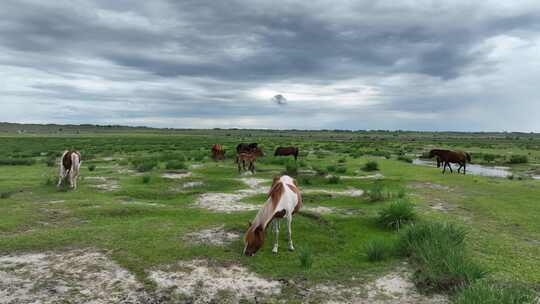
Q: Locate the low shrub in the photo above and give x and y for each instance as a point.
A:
(5, 195)
(438, 251)
(331, 168)
(51, 161)
(405, 158)
(334, 179)
(518, 159)
(291, 169)
(341, 170)
(305, 181)
(175, 165)
(146, 166)
(378, 250)
(485, 292)
(17, 162)
(377, 193)
(146, 179)
(92, 168)
(371, 166)
(397, 214)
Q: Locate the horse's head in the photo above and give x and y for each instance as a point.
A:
(431, 153)
(253, 240)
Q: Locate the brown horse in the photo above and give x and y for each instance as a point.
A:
(449, 156)
(244, 158)
(285, 151)
(218, 153)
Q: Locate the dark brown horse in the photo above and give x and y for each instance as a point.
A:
(285, 151)
(243, 147)
(218, 153)
(448, 156)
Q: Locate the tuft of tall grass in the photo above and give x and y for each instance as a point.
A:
(377, 193)
(438, 250)
(6, 194)
(397, 214)
(17, 162)
(305, 257)
(291, 168)
(485, 292)
(91, 168)
(371, 166)
(379, 249)
(334, 179)
(146, 179)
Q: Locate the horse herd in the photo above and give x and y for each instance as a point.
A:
(284, 198)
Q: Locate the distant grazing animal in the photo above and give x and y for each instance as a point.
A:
(218, 153)
(70, 165)
(284, 200)
(448, 156)
(285, 151)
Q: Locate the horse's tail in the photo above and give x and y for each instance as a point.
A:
(468, 156)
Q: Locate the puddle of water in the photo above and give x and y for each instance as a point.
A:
(495, 171)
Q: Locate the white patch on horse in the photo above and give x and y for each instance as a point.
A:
(216, 236)
(78, 276)
(204, 283)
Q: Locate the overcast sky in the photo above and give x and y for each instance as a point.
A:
(417, 65)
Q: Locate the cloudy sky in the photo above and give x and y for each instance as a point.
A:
(416, 65)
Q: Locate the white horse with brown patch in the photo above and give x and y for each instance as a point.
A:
(70, 165)
(284, 200)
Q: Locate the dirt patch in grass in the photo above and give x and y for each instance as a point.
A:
(216, 236)
(103, 183)
(440, 205)
(77, 276)
(373, 176)
(430, 185)
(192, 184)
(396, 287)
(348, 192)
(231, 202)
(176, 174)
(200, 282)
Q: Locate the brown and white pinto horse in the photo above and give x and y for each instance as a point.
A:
(70, 165)
(284, 200)
(218, 153)
(285, 151)
(448, 156)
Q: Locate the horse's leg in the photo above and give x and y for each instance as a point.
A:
(289, 231)
(62, 175)
(275, 226)
(450, 167)
(238, 163)
(464, 167)
(444, 168)
(460, 166)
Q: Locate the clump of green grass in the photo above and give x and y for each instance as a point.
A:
(484, 292)
(305, 257)
(51, 161)
(371, 166)
(91, 168)
(146, 179)
(341, 169)
(379, 249)
(377, 193)
(334, 179)
(175, 165)
(438, 251)
(331, 168)
(397, 214)
(320, 171)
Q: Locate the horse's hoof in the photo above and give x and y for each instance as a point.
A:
(291, 248)
(274, 251)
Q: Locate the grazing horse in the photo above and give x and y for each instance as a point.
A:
(218, 153)
(249, 157)
(70, 165)
(243, 147)
(285, 151)
(449, 156)
(284, 200)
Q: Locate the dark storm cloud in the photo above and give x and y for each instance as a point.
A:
(225, 59)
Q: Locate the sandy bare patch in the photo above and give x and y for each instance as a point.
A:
(373, 176)
(103, 183)
(176, 175)
(392, 288)
(192, 184)
(216, 236)
(349, 192)
(78, 276)
(442, 206)
(195, 166)
(430, 185)
(319, 209)
(204, 283)
(231, 202)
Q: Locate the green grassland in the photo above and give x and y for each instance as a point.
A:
(501, 216)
